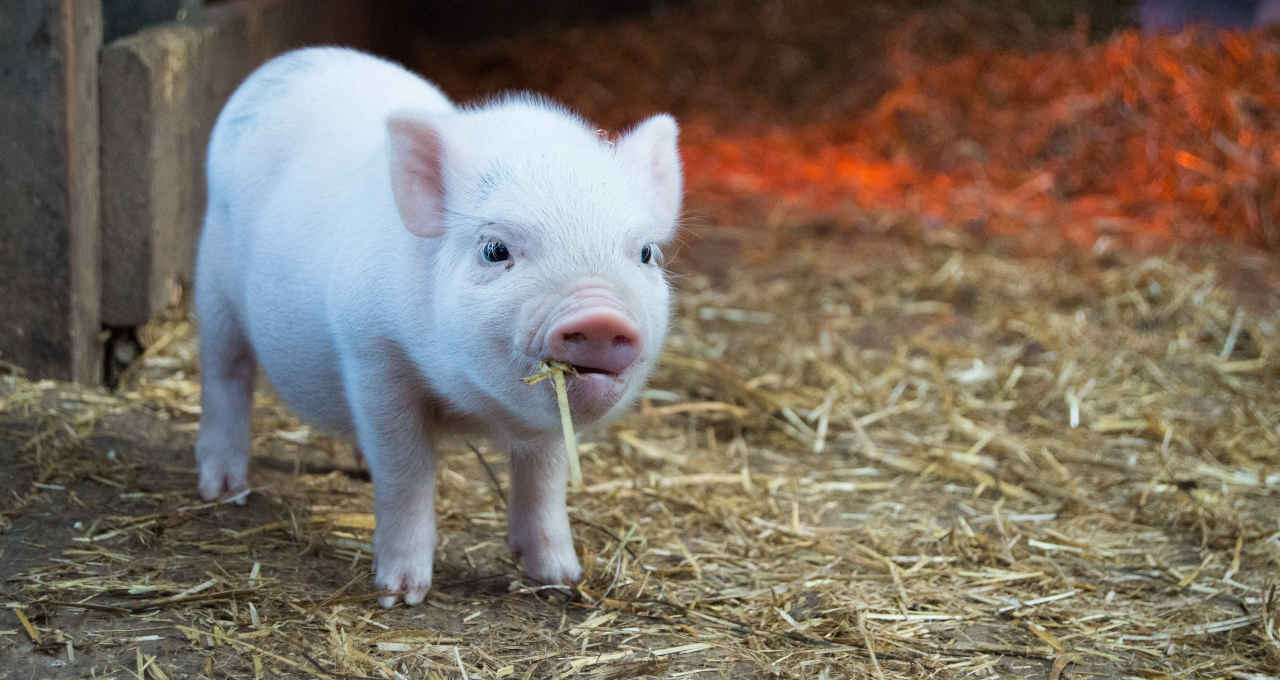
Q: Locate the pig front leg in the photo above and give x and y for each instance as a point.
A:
(392, 433)
(537, 521)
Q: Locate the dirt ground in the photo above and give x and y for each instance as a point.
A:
(955, 521)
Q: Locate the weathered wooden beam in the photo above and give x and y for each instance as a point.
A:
(49, 188)
(162, 89)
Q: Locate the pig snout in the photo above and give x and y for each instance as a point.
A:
(595, 340)
(593, 330)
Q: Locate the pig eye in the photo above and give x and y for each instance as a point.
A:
(496, 251)
(651, 253)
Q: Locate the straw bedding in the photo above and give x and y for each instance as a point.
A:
(878, 458)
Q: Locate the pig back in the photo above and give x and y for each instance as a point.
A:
(324, 107)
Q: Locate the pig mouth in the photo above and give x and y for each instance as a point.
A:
(592, 370)
(593, 392)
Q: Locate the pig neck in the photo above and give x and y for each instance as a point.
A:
(385, 292)
(380, 281)
(384, 301)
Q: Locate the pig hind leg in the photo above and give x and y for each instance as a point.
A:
(227, 368)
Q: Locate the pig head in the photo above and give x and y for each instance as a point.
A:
(547, 245)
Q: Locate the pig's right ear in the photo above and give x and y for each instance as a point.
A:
(416, 151)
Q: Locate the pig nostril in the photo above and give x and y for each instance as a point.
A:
(622, 340)
(575, 337)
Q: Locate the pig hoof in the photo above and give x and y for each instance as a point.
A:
(412, 597)
(552, 567)
(217, 476)
(407, 578)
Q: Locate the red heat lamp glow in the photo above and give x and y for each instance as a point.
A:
(1145, 139)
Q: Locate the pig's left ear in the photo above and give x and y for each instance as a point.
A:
(416, 151)
(650, 150)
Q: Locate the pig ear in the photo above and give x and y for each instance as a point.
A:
(416, 151)
(650, 149)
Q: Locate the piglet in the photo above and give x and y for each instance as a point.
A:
(397, 264)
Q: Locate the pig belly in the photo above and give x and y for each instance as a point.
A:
(289, 331)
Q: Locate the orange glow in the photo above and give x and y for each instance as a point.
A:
(1142, 139)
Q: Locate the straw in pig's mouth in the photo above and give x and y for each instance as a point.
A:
(556, 370)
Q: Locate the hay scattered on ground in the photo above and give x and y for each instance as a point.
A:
(888, 460)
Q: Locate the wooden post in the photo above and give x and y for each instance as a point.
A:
(162, 90)
(49, 224)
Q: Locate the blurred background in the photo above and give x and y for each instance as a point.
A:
(1142, 121)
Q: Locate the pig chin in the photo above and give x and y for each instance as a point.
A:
(593, 395)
